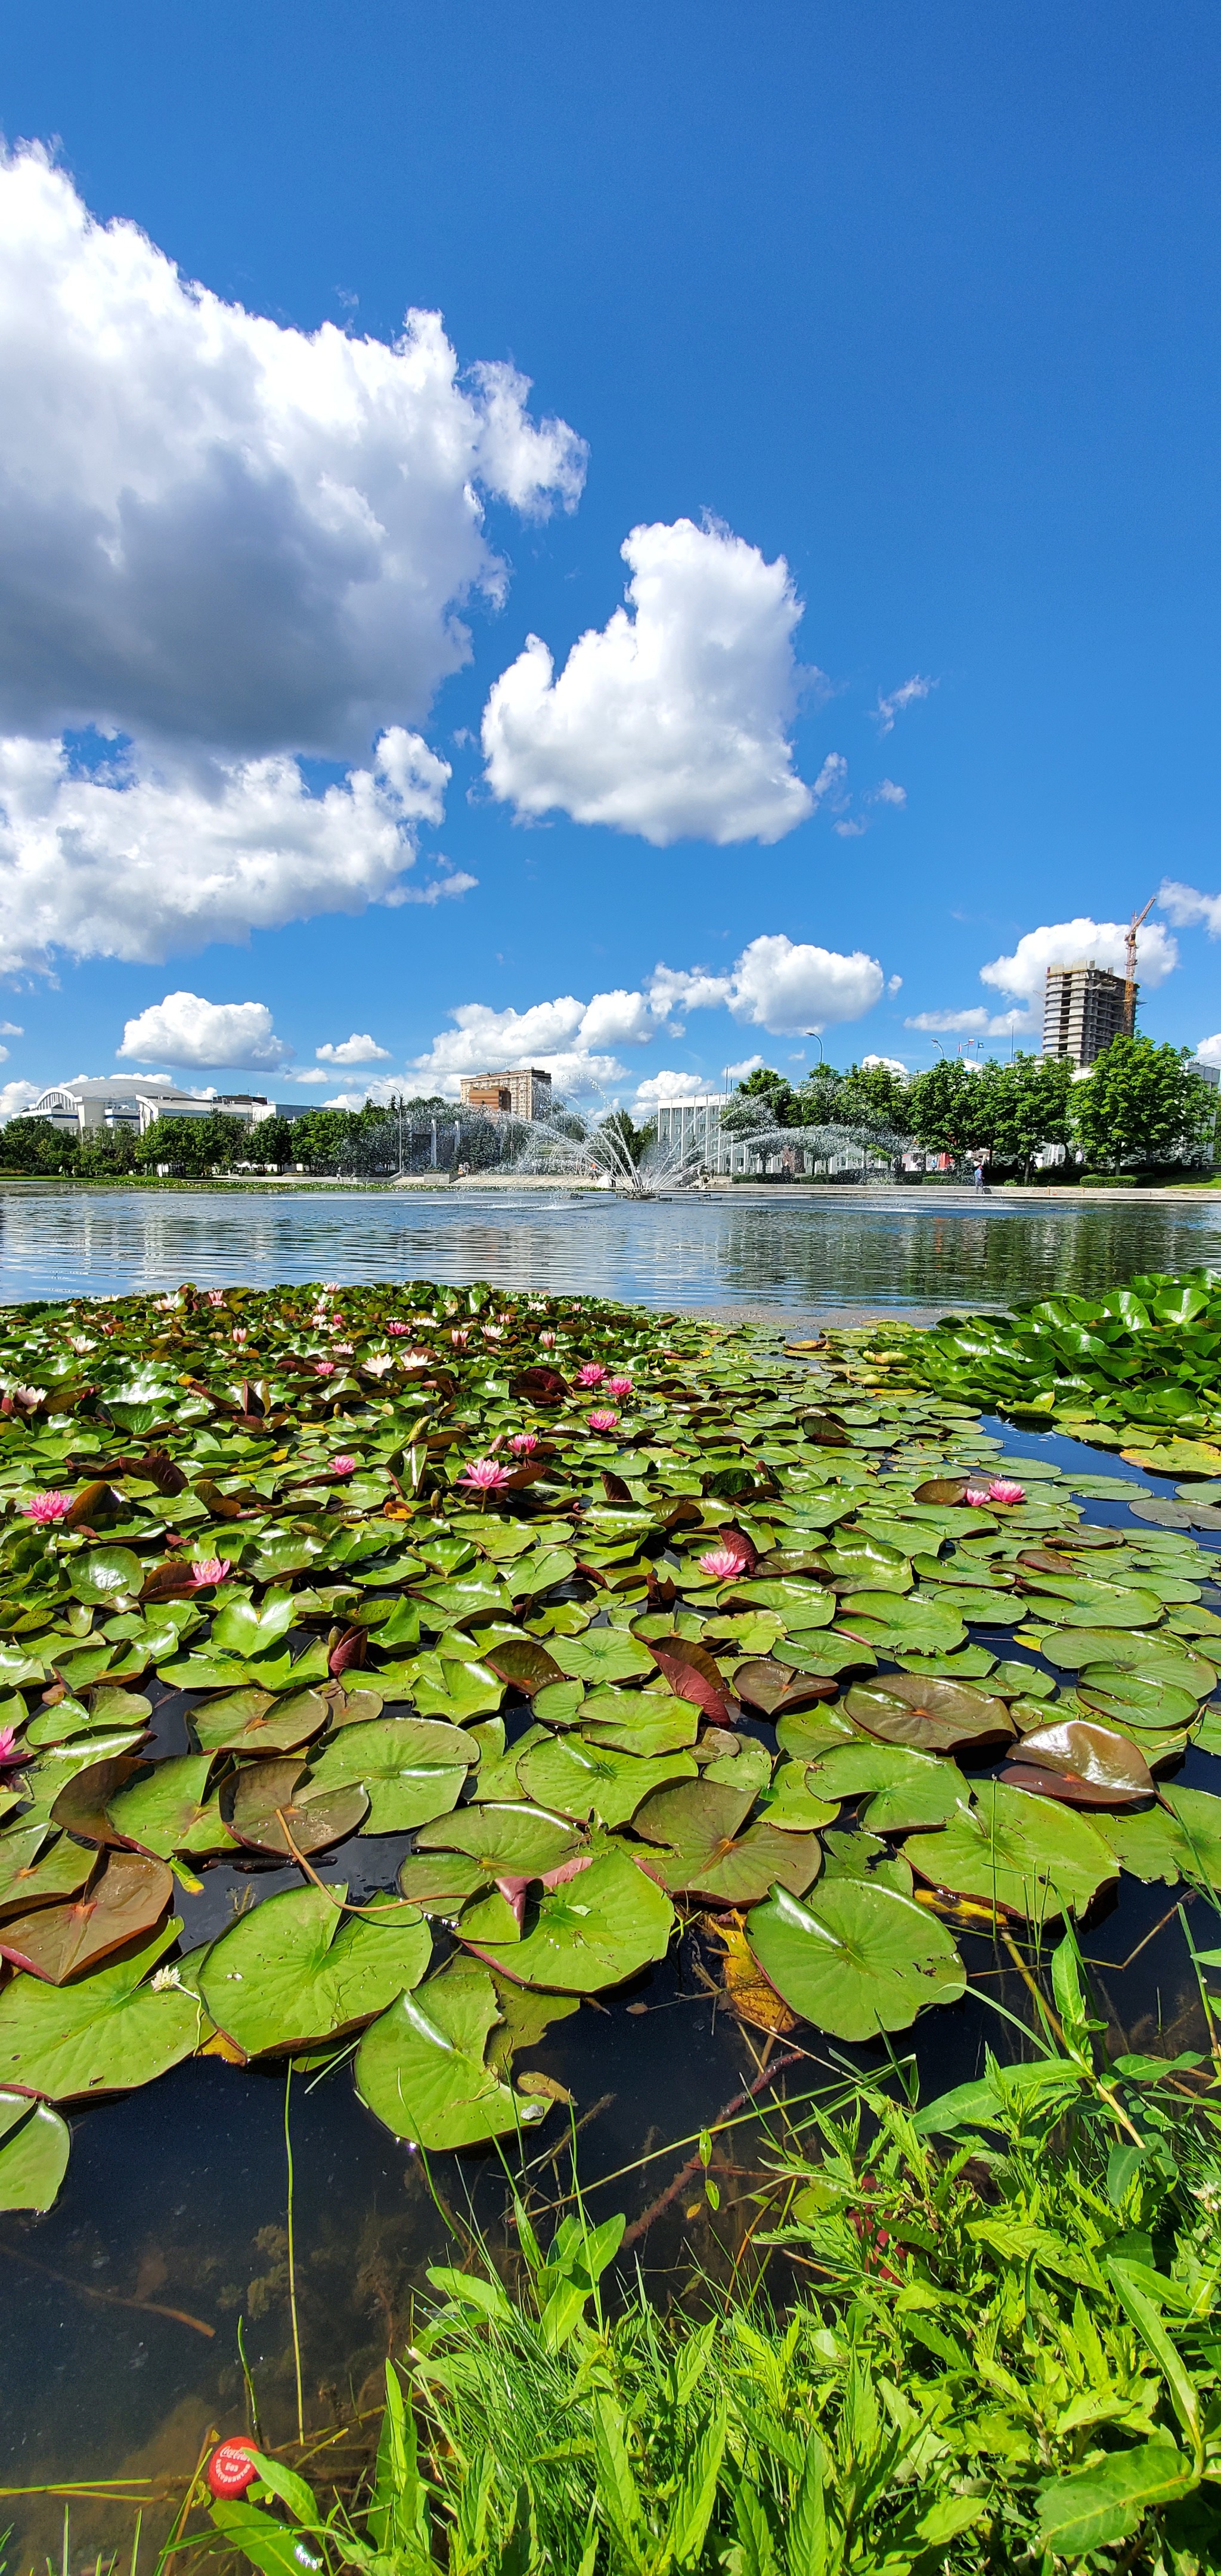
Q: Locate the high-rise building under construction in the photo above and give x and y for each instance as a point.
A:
(1084, 1007)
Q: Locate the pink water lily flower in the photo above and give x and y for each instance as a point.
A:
(10, 1750)
(591, 1374)
(239, 1334)
(492, 1332)
(399, 1328)
(1003, 1490)
(977, 1496)
(216, 1296)
(524, 1442)
(603, 1421)
(460, 1336)
(324, 1368)
(209, 1569)
(47, 1508)
(485, 1476)
(722, 1562)
(619, 1386)
(343, 1466)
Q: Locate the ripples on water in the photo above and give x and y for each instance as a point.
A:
(900, 1250)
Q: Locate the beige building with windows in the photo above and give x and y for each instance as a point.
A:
(1084, 1007)
(522, 1092)
(130, 1103)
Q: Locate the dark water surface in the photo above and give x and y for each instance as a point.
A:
(918, 1249)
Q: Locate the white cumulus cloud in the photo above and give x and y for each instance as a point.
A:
(550, 1035)
(884, 1064)
(1072, 943)
(739, 1072)
(184, 1029)
(662, 1087)
(16, 1098)
(1209, 1050)
(218, 530)
(784, 985)
(673, 720)
(143, 860)
(354, 1050)
(1187, 908)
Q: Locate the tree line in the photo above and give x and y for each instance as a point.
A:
(1141, 1107)
(369, 1143)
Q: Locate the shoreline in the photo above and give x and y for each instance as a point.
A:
(943, 1194)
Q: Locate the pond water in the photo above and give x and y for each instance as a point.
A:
(914, 1251)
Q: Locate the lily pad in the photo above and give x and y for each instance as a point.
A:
(602, 1655)
(706, 1853)
(524, 1663)
(1177, 1841)
(1094, 1754)
(639, 1721)
(169, 1809)
(411, 1769)
(583, 1779)
(931, 1716)
(39, 1867)
(517, 1841)
(34, 2144)
(1020, 1854)
(596, 1930)
(1135, 1699)
(268, 1814)
(255, 1721)
(789, 1802)
(126, 1898)
(855, 1958)
(107, 1574)
(452, 1688)
(108, 2034)
(297, 1969)
(422, 2067)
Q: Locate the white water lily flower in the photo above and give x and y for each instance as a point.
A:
(164, 1979)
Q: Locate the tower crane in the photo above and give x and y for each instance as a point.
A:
(1129, 996)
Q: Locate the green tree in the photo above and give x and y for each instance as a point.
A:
(192, 1147)
(320, 1138)
(34, 1145)
(1140, 1104)
(871, 1096)
(273, 1141)
(942, 1108)
(1024, 1106)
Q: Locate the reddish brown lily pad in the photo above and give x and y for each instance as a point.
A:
(775, 1688)
(266, 1815)
(128, 1897)
(932, 1716)
(691, 1674)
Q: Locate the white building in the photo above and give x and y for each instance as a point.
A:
(131, 1103)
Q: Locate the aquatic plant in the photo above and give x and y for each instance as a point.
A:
(751, 1648)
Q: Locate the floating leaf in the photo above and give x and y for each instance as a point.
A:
(412, 1769)
(762, 1682)
(297, 1969)
(524, 1663)
(34, 2144)
(128, 1896)
(583, 1779)
(268, 1815)
(168, 1810)
(931, 1716)
(109, 1574)
(602, 1655)
(422, 2067)
(790, 1804)
(39, 1867)
(444, 1686)
(1095, 1754)
(855, 1958)
(514, 1841)
(596, 1930)
(106, 2035)
(639, 1721)
(1018, 1853)
(255, 1721)
(82, 1802)
(706, 1852)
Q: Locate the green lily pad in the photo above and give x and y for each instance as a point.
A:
(602, 1655)
(705, 1852)
(884, 1620)
(805, 1733)
(583, 1779)
(905, 1789)
(506, 1841)
(34, 2144)
(849, 1852)
(108, 2034)
(412, 1769)
(855, 1958)
(109, 1574)
(422, 2067)
(297, 1969)
(560, 1704)
(1079, 1602)
(1177, 1841)
(1134, 1698)
(125, 1899)
(639, 1721)
(240, 1629)
(1022, 1854)
(255, 1721)
(1075, 1649)
(454, 1689)
(789, 1803)
(800, 1605)
(596, 1930)
(169, 1810)
(39, 1867)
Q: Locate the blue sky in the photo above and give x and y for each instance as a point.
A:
(917, 304)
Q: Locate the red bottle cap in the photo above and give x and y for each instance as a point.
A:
(231, 2469)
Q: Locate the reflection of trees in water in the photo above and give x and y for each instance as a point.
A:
(687, 1251)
